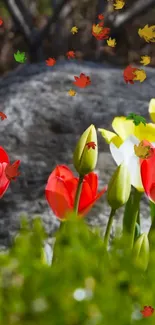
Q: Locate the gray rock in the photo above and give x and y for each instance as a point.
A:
(43, 124)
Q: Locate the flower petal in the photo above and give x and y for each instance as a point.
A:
(134, 170)
(3, 156)
(86, 196)
(92, 180)
(58, 197)
(123, 127)
(87, 209)
(145, 132)
(111, 137)
(4, 182)
(127, 148)
(148, 175)
(152, 109)
(61, 171)
(116, 154)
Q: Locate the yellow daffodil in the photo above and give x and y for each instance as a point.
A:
(122, 143)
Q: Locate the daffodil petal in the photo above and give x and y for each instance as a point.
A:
(134, 170)
(147, 132)
(127, 148)
(116, 154)
(152, 109)
(123, 127)
(111, 137)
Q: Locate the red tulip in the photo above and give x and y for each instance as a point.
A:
(4, 182)
(61, 189)
(148, 173)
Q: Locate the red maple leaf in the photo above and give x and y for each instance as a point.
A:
(104, 34)
(82, 81)
(50, 62)
(128, 74)
(1, 22)
(11, 171)
(2, 116)
(100, 17)
(91, 145)
(70, 54)
(147, 311)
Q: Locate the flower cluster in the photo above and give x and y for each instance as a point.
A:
(133, 148)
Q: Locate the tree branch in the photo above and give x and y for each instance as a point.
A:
(21, 17)
(138, 8)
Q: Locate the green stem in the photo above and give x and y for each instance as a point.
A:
(152, 228)
(135, 210)
(78, 193)
(107, 233)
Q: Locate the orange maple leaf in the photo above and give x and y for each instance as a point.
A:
(91, 145)
(82, 81)
(128, 74)
(50, 62)
(103, 34)
(11, 171)
(100, 17)
(2, 116)
(147, 311)
(70, 54)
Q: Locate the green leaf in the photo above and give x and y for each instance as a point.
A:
(20, 57)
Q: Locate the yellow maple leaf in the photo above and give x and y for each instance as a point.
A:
(119, 4)
(97, 29)
(74, 30)
(145, 60)
(140, 75)
(111, 42)
(72, 92)
(148, 33)
(142, 151)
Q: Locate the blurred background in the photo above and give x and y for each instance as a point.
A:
(41, 28)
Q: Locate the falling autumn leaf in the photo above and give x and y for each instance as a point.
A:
(100, 32)
(147, 311)
(111, 42)
(2, 116)
(143, 151)
(82, 81)
(50, 62)
(100, 17)
(70, 54)
(91, 145)
(11, 171)
(119, 4)
(148, 33)
(72, 92)
(137, 119)
(97, 29)
(140, 75)
(145, 60)
(128, 74)
(74, 30)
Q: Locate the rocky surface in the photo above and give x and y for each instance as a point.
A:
(43, 124)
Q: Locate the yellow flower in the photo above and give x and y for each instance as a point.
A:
(122, 143)
(152, 109)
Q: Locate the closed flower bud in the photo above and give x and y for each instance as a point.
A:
(86, 152)
(119, 187)
(141, 251)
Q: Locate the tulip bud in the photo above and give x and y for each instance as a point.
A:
(86, 152)
(119, 187)
(141, 251)
(152, 109)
